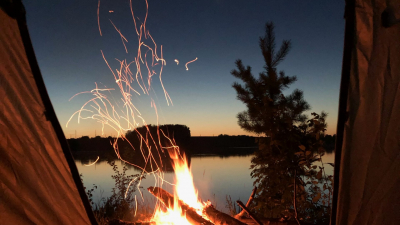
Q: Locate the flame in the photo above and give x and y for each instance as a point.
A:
(184, 191)
(171, 216)
(184, 188)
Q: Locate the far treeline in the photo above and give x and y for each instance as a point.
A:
(193, 145)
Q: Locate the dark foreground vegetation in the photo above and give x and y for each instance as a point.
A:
(121, 205)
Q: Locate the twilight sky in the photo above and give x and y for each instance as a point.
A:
(67, 43)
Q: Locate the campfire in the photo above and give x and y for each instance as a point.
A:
(183, 205)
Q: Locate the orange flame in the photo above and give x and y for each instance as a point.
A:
(184, 188)
(184, 191)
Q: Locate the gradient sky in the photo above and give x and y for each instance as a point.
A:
(67, 44)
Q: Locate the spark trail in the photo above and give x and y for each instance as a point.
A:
(186, 65)
(133, 79)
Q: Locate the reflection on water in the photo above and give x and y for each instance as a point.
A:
(215, 177)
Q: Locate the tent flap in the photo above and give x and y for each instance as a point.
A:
(369, 179)
(39, 183)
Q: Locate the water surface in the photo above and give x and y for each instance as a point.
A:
(214, 177)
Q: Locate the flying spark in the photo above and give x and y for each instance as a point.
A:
(98, 17)
(190, 62)
(91, 164)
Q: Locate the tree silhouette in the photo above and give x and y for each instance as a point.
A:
(280, 120)
(269, 111)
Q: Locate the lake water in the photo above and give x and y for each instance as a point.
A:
(214, 177)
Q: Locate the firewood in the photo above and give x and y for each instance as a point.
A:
(168, 200)
(220, 218)
(244, 208)
(237, 216)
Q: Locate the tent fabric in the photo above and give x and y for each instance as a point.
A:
(36, 182)
(369, 179)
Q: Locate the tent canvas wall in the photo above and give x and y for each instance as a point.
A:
(367, 164)
(39, 181)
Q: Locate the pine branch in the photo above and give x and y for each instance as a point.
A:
(281, 54)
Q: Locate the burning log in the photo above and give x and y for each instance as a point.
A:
(216, 217)
(220, 218)
(168, 200)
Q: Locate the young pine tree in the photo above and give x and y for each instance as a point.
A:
(278, 119)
